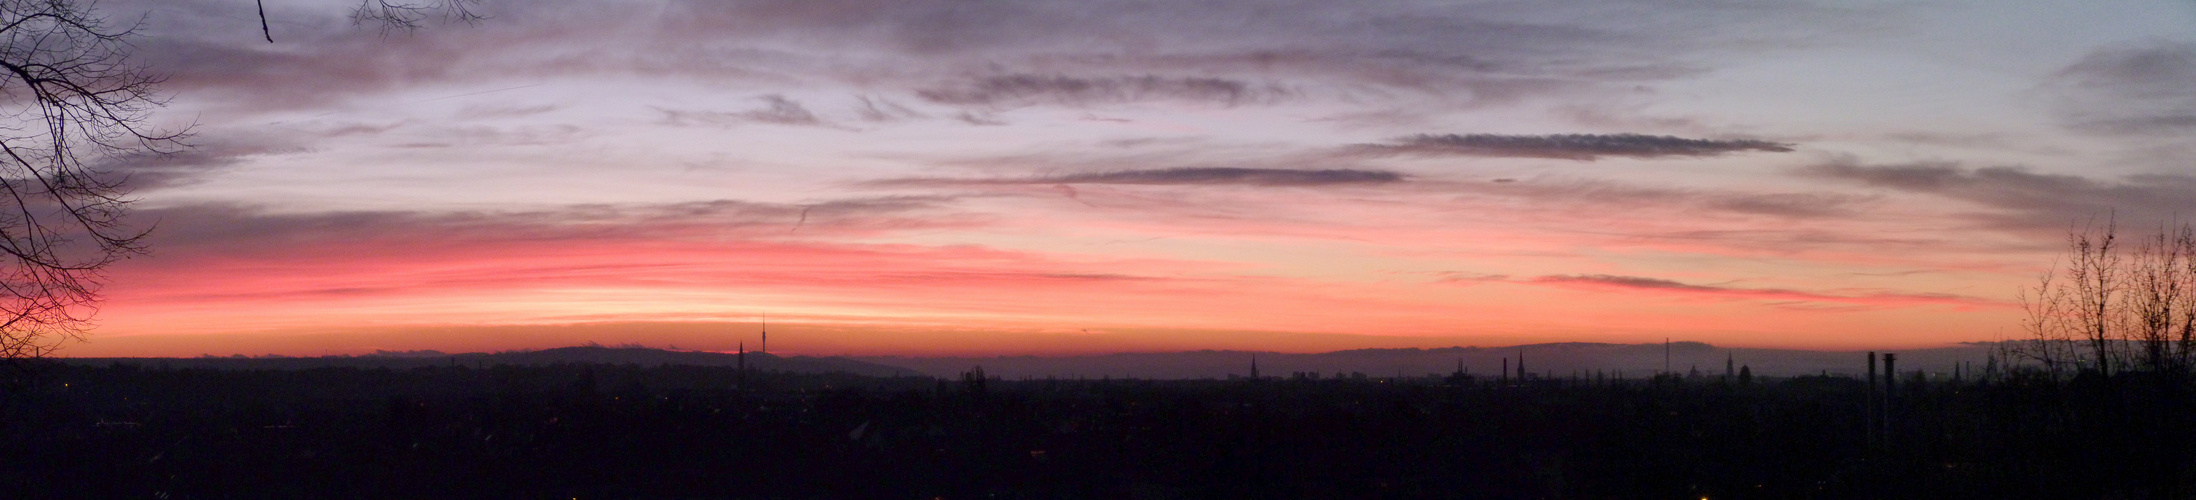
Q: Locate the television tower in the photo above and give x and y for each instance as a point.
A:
(765, 346)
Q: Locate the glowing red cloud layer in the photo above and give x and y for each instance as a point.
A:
(427, 272)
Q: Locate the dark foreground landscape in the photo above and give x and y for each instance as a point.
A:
(599, 430)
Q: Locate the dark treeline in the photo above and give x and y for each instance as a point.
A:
(627, 431)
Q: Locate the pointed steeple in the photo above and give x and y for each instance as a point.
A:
(1521, 364)
(765, 347)
(1254, 366)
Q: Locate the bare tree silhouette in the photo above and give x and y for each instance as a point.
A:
(2158, 299)
(70, 95)
(2109, 309)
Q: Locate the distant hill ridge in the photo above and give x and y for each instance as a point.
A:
(585, 354)
(1556, 359)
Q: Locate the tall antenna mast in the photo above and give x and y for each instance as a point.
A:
(765, 346)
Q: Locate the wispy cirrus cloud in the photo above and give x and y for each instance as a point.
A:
(780, 110)
(776, 109)
(238, 227)
(1112, 131)
(880, 109)
(1659, 285)
(151, 171)
(1022, 89)
(1581, 147)
(2138, 88)
(2026, 199)
(1600, 193)
(1047, 52)
(1224, 175)
(1179, 176)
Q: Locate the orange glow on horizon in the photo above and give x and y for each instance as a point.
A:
(883, 300)
(298, 294)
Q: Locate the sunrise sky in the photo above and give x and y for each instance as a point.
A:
(1034, 177)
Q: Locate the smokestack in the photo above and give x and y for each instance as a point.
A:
(1505, 370)
(1871, 372)
(1890, 375)
(1890, 392)
(1868, 406)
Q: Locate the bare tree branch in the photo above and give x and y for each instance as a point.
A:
(400, 15)
(263, 29)
(69, 94)
(2126, 312)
